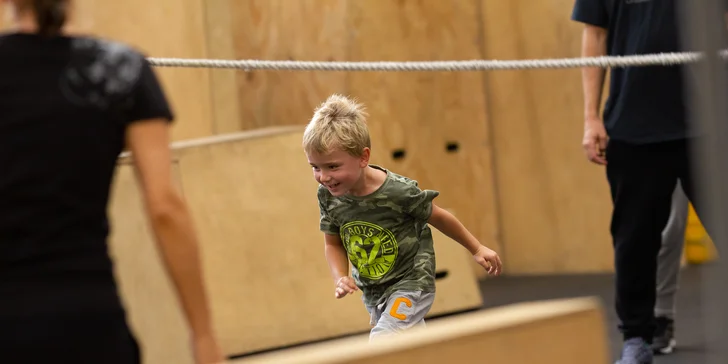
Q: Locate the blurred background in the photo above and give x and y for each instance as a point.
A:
(502, 147)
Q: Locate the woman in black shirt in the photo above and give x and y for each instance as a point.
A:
(68, 106)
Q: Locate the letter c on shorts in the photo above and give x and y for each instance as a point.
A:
(395, 307)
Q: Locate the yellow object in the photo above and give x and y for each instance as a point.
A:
(699, 248)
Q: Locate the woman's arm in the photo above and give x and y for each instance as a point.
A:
(172, 225)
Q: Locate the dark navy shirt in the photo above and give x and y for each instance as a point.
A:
(645, 104)
(65, 104)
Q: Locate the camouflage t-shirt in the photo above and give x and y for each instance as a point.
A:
(386, 236)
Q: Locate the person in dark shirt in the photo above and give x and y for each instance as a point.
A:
(69, 105)
(644, 140)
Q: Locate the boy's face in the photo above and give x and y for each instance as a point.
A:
(338, 170)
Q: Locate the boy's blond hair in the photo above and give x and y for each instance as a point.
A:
(338, 123)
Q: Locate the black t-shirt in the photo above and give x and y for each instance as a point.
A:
(645, 104)
(65, 103)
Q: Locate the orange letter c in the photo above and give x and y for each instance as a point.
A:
(395, 307)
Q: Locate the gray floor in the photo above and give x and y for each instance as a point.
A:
(689, 321)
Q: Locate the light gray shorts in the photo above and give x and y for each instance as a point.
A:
(401, 311)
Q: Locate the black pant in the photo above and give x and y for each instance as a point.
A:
(68, 339)
(642, 179)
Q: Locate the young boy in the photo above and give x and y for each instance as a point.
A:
(378, 221)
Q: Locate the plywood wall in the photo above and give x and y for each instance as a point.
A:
(519, 180)
(418, 113)
(287, 30)
(421, 112)
(554, 204)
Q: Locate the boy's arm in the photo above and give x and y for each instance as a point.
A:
(449, 225)
(453, 228)
(339, 265)
(336, 256)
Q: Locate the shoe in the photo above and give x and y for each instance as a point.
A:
(664, 340)
(636, 351)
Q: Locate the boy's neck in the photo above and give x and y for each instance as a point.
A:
(370, 182)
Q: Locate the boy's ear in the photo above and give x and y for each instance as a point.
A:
(364, 159)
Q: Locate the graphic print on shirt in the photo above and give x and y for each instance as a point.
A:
(101, 74)
(372, 249)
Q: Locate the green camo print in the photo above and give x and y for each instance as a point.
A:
(385, 235)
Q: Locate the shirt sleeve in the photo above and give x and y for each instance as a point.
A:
(592, 12)
(418, 202)
(148, 98)
(326, 223)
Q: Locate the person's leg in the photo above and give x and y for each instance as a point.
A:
(641, 181)
(668, 262)
(668, 272)
(403, 310)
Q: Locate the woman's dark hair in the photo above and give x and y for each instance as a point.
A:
(50, 15)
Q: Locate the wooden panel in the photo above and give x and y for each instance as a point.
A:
(555, 205)
(419, 112)
(557, 332)
(294, 30)
(578, 188)
(224, 82)
(255, 207)
(168, 28)
(154, 313)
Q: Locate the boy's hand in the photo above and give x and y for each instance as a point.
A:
(489, 260)
(345, 285)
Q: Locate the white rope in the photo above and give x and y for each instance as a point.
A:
(661, 59)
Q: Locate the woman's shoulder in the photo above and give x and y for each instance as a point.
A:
(106, 49)
(106, 67)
